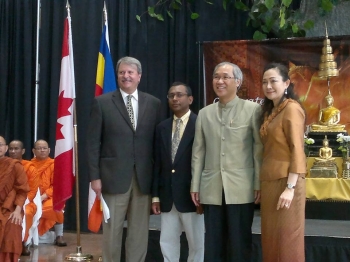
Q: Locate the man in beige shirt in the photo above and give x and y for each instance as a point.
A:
(226, 160)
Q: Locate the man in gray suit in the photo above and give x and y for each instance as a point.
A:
(226, 160)
(120, 157)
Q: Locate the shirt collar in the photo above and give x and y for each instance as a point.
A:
(135, 94)
(187, 115)
(230, 104)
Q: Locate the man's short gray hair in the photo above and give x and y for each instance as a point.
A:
(237, 72)
(130, 61)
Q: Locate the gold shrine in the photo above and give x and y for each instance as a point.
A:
(329, 117)
(325, 165)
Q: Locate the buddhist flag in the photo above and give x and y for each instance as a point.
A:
(64, 150)
(105, 82)
(105, 77)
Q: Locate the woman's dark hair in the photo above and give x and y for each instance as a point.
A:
(283, 71)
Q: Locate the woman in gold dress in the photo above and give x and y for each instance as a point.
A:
(283, 169)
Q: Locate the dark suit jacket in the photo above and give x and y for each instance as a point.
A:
(172, 181)
(114, 148)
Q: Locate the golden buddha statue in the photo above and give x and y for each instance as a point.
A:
(324, 165)
(325, 154)
(328, 118)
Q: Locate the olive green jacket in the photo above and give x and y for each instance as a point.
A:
(227, 152)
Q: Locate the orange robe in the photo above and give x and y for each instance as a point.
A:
(30, 208)
(49, 217)
(13, 192)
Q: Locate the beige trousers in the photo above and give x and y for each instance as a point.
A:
(136, 206)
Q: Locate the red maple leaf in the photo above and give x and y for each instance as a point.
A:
(63, 106)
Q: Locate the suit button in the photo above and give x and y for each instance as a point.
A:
(173, 171)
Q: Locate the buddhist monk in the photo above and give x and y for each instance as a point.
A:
(44, 166)
(16, 151)
(13, 193)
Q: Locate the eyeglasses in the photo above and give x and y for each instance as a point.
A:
(178, 95)
(1, 145)
(41, 148)
(225, 78)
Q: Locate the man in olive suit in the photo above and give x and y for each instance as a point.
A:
(226, 160)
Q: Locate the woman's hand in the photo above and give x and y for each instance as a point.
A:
(285, 199)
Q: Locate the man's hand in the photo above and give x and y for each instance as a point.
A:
(16, 216)
(96, 185)
(195, 198)
(257, 195)
(156, 208)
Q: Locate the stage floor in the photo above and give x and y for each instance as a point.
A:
(325, 236)
(313, 227)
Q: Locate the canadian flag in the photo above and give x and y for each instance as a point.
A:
(105, 82)
(64, 173)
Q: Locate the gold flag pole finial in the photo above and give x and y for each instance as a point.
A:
(105, 11)
(68, 6)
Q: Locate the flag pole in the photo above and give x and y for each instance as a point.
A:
(79, 256)
(37, 71)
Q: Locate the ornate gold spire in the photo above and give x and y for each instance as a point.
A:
(327, 67)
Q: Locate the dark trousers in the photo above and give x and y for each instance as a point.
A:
(228, 232)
